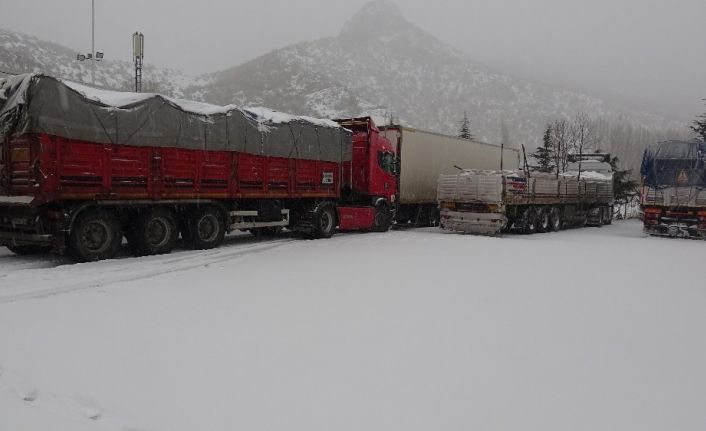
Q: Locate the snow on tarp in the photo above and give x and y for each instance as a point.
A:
(674, 163)
(35, 103)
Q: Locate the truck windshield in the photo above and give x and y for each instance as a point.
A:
(387, 162)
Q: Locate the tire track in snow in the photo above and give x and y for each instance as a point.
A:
(108, 274)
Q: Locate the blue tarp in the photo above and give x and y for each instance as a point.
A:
(675, 164)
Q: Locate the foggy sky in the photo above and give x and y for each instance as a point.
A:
(647, 53)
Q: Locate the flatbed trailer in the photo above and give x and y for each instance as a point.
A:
(81, 168)
(489, 202)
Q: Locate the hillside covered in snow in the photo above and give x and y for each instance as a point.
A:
(21, 53)
(378, 64)
(381, 63)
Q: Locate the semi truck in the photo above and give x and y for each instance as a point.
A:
(489, 202)
(83, 168)
(673, 190)
(422, 156)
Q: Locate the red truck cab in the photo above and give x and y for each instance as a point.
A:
(370, 179)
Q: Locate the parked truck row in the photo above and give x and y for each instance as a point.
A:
(82, 169)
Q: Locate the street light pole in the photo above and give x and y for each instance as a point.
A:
(93, 41)
(93, 56)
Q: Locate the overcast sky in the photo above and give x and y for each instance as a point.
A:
(647, 52)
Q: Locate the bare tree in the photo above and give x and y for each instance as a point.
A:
(561, 137)
(583, 136)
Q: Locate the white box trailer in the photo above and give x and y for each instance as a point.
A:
(423, 156)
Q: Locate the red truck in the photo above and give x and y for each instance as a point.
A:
(81, 168)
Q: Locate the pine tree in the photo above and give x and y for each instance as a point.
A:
(545, 154)
(623, 187)
(699, 126)
(465, 130)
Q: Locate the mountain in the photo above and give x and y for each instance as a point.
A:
(21, 53)
(382, 64)
(379, 64)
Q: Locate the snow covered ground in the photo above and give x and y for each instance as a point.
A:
(591, 329)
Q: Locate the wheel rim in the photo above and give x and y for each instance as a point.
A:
(158, 231)
(530, 222)
(379, 219)
(95, 236)
(545, 221)
(207, 228)
(326, 221)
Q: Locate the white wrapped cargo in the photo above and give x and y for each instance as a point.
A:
(486, 202)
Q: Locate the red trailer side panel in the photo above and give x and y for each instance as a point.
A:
(69, 169)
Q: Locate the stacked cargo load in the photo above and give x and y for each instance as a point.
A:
(673, 195)
(488, 202)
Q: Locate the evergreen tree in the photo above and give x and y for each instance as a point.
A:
(544, 155)
(623, 186)
(699, 126)
(465, 130)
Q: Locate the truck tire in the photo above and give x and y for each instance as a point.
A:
(156, 232)
(96, 235)
(555, 219)
(29, 250)
(383, 219)
(608, 215)
(204, 228)
(543, 224)
(324, 222)
(529, 220)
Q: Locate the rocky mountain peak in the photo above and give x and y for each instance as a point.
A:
(376, 18)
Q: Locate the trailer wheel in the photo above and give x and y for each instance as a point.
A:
(204, 229)
(543, 224)
(96, 235)
(608, 212)
(383, 219)
(29, 250)
(529, 220)
(324, 222)
(555, 219)
(156, 232)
